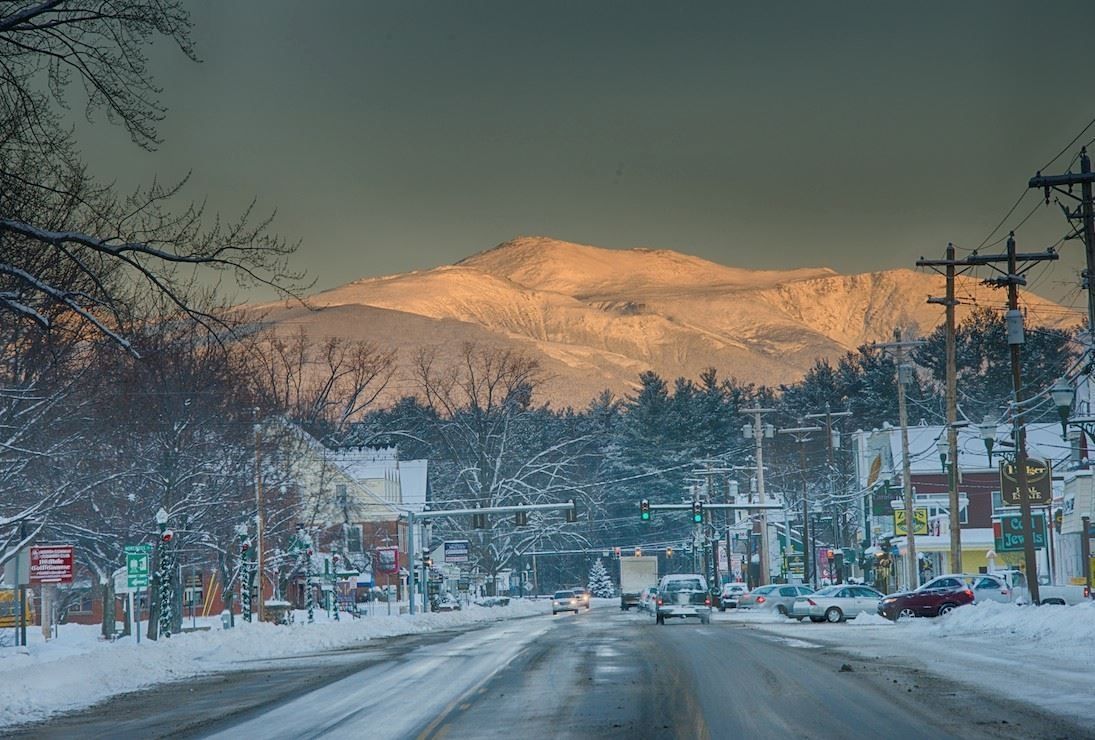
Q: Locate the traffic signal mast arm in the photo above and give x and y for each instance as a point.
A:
(565, 506)
(718, 507)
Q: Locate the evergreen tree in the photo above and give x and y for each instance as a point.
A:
(600, 584)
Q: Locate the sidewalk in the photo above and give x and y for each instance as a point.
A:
(78, 670)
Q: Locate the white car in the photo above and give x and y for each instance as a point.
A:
(836, 603)
(728, 596)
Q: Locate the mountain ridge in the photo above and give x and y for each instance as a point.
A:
(597, 317)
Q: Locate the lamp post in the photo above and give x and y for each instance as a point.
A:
(164, 571)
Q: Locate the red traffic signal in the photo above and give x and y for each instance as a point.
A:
(830, 554)
(618, 551)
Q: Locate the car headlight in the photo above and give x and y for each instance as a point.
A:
(888, 601)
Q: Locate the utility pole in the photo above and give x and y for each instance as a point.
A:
(760, 431)
(949, 302)
(1084, 214)
(801, 434)
(831, 443)
(1012, 279)
(904, 375)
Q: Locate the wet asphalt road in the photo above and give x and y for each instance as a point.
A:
(599, 674)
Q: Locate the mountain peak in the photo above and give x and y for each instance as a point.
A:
(544, 263)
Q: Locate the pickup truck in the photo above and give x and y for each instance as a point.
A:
(1064, 595)
(683, 596)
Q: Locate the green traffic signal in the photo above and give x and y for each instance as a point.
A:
(697, 512)
(644, 510)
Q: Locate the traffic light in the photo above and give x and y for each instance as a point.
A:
(829, 554)
(617, 552)
(644, 510)
(520, 518)
(697, 512)
(572, 512)
(427, 561)
(479, 521)
(669, 552)
(638, 552)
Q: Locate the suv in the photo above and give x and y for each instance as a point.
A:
(683, 596)
(648, 598)
(935, 598)
(565, 601)
(584, 596)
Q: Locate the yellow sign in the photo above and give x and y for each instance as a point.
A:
(920, 521)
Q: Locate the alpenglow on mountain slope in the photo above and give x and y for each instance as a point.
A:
(596, 318)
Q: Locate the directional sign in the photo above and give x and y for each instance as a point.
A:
(1008, 532)
(138, 565)
(51, 564)
(1039, 483)
(920, 521)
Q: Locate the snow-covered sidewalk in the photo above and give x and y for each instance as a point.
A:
(1043, 656)
(78, 670)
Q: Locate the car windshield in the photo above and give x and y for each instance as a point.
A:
(684, 584)
(563, 594)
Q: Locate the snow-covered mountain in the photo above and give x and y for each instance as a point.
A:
(596, 318)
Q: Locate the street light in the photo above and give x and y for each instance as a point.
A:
(1063, 394)
(988, 434)
(164, 591)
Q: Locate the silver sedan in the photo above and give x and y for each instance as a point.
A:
(836, 603)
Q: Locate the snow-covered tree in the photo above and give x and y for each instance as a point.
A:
(600, 584)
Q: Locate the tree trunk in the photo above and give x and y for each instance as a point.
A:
(108, 608)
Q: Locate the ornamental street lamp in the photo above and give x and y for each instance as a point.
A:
(988, 434)
(1063, 394)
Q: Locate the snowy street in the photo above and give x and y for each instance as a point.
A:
(605, 673)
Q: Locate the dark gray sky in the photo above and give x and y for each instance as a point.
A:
(401, 135)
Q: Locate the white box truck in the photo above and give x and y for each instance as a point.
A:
(636, 575)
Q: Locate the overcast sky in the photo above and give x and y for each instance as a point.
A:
(402, 135)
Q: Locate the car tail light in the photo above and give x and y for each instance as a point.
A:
(811, 602)
(659, 601)
(760, 599)
(707, 601)
(969, 593)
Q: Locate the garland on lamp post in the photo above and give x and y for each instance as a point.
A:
(164, 572)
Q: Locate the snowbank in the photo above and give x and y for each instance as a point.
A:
(78, 670)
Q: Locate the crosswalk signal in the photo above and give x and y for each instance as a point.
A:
(644, 510)
(697, 512)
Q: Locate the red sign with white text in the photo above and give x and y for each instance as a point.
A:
(51, 564)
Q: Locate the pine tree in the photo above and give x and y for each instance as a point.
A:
(600, 584)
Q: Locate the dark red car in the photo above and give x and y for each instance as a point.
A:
(935, 598)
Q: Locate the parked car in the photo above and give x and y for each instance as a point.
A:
(836, 603)
(937, 597)
(447, 603)
(729, 594)
(681, 596)
(565, 601)
(779, 597)
(648, 599)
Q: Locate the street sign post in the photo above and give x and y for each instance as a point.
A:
(51, 564)
(920, 522)
(1039, 483)
(138, 565)
(1007, 531)
(456, 551)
